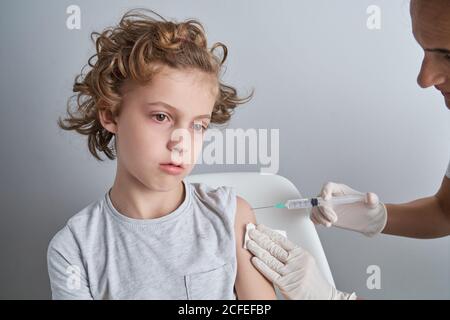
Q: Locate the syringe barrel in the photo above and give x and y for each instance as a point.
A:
(309, 203)
(298, 204)
(342, 199)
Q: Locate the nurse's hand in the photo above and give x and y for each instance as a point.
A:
(368, 218)
(292, 269)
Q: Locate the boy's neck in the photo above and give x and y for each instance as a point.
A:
(137, 203)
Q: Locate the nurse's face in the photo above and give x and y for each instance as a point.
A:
(431, 28)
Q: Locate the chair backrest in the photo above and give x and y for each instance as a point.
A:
(261, 190)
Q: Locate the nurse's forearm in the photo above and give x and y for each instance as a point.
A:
(422, 218)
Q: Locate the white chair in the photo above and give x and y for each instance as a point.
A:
(262, 190)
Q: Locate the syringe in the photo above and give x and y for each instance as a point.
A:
(313, 202)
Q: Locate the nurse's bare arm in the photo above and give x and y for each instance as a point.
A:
(250, 283)
(422, 218)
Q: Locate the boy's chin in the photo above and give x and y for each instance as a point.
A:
(166, 184)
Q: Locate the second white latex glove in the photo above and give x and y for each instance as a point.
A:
(291, 268)
(368, 218)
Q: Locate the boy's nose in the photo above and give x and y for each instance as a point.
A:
(177, 145)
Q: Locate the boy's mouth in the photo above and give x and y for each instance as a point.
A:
(172, 168)
(175, 164)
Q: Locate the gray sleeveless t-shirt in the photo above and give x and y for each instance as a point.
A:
(187, 254)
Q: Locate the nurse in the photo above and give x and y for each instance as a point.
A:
(291, 268)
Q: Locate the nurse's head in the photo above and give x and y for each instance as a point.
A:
(431, 28)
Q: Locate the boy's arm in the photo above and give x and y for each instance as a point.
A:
(68, 278)
(250, 283)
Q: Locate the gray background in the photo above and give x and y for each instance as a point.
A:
(344, 97)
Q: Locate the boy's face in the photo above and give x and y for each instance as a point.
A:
(163, 123)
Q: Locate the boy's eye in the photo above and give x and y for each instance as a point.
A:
(199, 127)
(160, 117)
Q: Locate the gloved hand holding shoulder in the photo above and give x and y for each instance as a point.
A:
(292, 269)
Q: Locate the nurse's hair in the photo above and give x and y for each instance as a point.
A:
(132, 50)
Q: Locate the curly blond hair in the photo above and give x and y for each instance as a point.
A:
(128, 52)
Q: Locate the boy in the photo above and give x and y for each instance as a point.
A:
(153, 235)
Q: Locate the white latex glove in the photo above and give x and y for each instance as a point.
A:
(368, 218)
(292, 269)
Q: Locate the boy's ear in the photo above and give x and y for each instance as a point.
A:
(107, 120)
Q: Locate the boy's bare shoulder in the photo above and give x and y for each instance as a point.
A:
(244, 212)
(244, 215)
